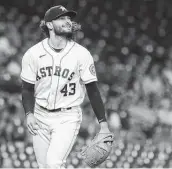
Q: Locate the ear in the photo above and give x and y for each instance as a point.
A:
(49, 25)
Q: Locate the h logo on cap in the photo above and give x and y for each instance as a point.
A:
(62, 8)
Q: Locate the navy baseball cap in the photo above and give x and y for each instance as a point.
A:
(57, 11)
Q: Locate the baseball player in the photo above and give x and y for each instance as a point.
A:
(55, 74)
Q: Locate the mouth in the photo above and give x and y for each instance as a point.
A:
(68, 26)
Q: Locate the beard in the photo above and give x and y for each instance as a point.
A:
(68, 34)
(61, 32)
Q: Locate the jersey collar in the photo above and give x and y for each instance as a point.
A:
(48, 49)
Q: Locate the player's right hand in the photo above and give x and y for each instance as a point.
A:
(32, 124)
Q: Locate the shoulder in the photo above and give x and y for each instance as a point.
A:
(34, 52)
(81, 48)
(82, 52)
(37, 49)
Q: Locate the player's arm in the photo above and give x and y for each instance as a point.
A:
(28, 76)
(28, 99)
(97, 105)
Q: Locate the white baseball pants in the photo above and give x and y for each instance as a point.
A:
(56, 137)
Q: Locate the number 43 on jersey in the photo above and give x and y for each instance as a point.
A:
(69, 89)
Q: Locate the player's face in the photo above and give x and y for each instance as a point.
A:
(62, 25)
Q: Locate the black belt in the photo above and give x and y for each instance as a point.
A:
(56, 110)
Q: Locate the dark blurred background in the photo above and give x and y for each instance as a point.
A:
(130, 41)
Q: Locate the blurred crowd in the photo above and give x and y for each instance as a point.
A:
(131, 45)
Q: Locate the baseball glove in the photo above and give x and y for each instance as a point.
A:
(98, 150)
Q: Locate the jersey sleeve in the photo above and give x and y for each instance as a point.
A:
(87, 68)
(28, 68)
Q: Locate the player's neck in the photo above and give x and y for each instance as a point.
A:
(57, 42)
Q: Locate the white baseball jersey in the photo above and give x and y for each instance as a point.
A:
(59, 78)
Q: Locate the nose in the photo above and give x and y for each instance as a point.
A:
(68, 22)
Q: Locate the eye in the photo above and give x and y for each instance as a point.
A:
(68, 17)
(61, 18)
(65, 17)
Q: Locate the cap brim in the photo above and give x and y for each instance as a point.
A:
(72, 14)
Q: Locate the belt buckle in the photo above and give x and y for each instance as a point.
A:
(63, 109)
